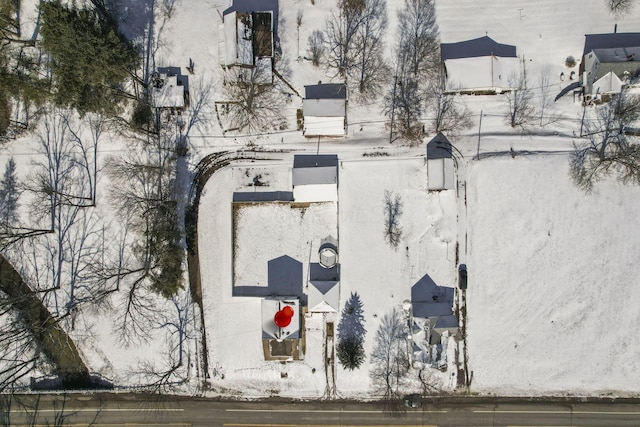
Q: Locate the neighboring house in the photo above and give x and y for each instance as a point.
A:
(246, 38)
(169, 88)
(607, 62)
(315, 178)
(281, 336)
(440, 174)
(480, 66)
(432, 321)
(324, 110)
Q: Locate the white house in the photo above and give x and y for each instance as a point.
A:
(607, 62)
(440, 171)
(480, 66)
(324, 109)
(168, 88)
(315, 178)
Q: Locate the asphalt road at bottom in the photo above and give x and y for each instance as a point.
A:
(111, 410)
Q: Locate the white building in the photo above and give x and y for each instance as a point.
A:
(315, 178)
(607, 62)
(324, 110)
(167, 91)
(480, 66)
(440, 171)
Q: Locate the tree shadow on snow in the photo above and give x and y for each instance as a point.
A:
(352, 319)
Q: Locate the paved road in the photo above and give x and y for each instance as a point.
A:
(129, 410)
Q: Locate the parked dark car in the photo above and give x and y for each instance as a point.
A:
(462, 276)
(413, 401)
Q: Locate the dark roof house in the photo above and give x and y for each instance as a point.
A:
(607, 62)
(482, 46)
(324, 109)
(479, 66)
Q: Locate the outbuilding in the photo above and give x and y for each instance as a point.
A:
(324, 110)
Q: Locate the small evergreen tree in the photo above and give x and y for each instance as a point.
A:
(351, 332)
(9, 195)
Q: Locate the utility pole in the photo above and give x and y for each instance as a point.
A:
(393, 108)
(479, 129)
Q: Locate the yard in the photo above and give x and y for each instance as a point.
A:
(552, 286)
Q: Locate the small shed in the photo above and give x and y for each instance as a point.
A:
(324, 110)
(440, 171)
(315, 178)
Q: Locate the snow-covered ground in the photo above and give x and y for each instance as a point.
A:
(550, 268)
(552, 286)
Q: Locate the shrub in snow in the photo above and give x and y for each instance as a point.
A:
(570, 61)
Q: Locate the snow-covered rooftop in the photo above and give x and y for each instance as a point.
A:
(168, 93)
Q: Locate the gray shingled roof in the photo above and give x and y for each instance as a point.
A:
(311, 160)
(439, 147)
(483, 46)
(606, 41)
(326, 91)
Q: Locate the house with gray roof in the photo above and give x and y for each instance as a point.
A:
(608, 60)
(324, 110)
(315, 178)
(479, 66)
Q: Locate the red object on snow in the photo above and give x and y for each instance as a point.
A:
(283, 317)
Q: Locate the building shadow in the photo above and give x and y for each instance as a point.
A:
(284, 279)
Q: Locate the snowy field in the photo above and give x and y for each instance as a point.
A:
(552, 281)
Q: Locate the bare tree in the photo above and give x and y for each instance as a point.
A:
(545, 100)
(449, 112)
(298, 25)
(355, 40)
(520, 110)
(372, 69)
(419, 38)
(253, 101)
(404, 103)
(609, 149)
(316, 47)
(417, 57)
(341, 33)
(390, 356)
(392, 213)
(175, 366)
(619, 7)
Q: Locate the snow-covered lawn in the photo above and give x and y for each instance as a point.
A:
(552, 280)
(382, 275)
